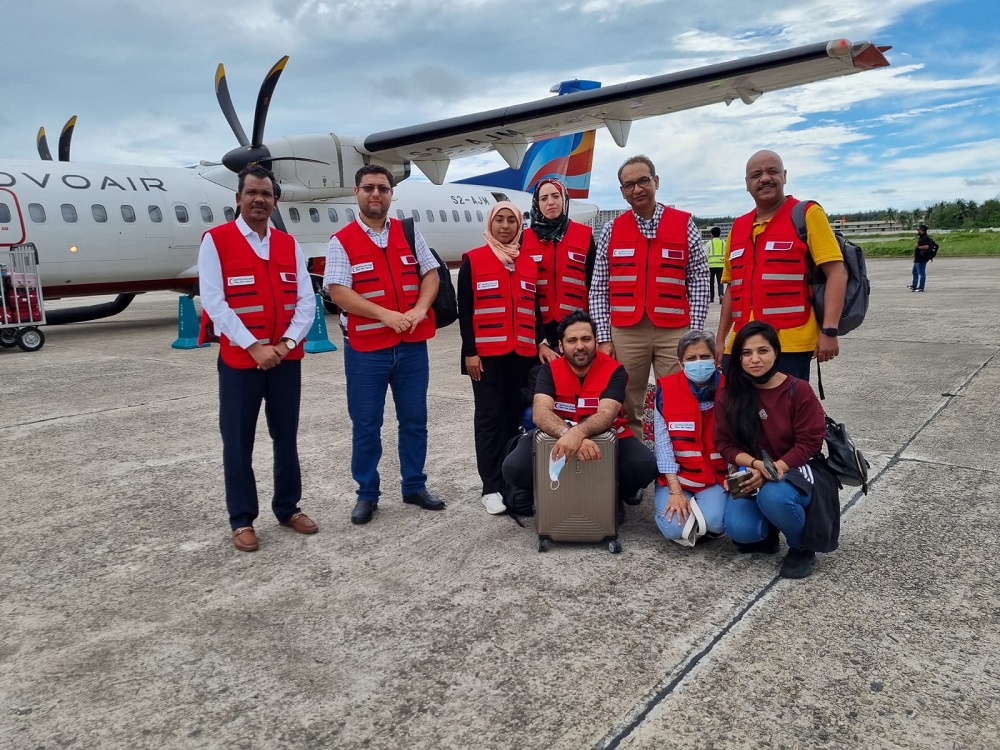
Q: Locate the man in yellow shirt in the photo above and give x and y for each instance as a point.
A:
(767, 271)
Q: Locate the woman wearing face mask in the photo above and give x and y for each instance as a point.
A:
(501, 332)
(683, 421)
(762, 410)
(564, 251)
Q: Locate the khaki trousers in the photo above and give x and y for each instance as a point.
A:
(638, 347)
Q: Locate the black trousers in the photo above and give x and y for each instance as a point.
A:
(241, 392)
(499, 408)
(636, 465)
(715, 280)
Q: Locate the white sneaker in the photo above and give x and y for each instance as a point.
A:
(493, 503)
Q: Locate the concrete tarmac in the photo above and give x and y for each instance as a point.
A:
(127, 619)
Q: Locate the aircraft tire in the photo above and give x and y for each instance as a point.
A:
(30, 339)
(8, 338)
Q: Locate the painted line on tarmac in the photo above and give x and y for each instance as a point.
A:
(621, 732)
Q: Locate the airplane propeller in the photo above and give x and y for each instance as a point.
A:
(64, 141)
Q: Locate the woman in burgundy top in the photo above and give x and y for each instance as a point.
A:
(762, 410)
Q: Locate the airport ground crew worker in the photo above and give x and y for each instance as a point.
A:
(564, 251)
(257, 295)
(385, 290)
(768, 274)
(716, 252)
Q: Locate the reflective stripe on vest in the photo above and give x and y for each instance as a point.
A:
(679, 407)
(562, 270)
(503, 303)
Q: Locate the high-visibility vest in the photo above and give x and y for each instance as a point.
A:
(562, 270)
(770, 275)
(503, 304)
(576, 400)
(716, 253)
(390, 278)
(699, 463)
(649, 276)
(262, 293)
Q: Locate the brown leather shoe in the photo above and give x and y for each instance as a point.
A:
(301, 523)
(245, 539)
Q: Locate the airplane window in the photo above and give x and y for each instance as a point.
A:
(430, 215)
(37, 212)
(206, 215)
(350, 214)
(332, 213)
(444, 215)
(128, 214)
(229, 213)
(155, 214)
(454, 215)
(468, 216)
(479, 216)
(181, 213)
(69, 213)
(100, 213)
(400, 214)
(293, 214)
(314, 215)
(416, 216)
(4, 213)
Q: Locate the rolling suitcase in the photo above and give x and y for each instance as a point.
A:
(582, 507)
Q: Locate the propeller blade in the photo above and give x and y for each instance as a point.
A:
(43, 145)
(264, 100)
(278, 222)
(226, 103)
(296, 158)
(65, 138)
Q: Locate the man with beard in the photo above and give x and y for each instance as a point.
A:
(578, 396)
(384, 289)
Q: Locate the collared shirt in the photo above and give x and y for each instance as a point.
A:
(338, 265)
(213, 296)
(666, 462)
(698, 285)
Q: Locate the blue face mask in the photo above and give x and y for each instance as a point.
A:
(555, 467)
(700, 370)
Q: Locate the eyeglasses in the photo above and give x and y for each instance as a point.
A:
(643, 182)
(369, 189)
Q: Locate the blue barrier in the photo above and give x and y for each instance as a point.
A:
(317, 340)
(188, 326)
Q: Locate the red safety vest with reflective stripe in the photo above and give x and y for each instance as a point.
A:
(769, 274)
(699, 463)
(562, 271)
(390, 278)
(503, 304)
(649, 275)
(262, 293)
(577, 400)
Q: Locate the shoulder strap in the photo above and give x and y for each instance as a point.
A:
(799, 219)
(408, 233)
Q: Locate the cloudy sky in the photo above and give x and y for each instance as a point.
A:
(140, 77)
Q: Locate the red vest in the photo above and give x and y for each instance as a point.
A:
(649, 275)
(562, 271)
(700, 465)
(390, 278)
(770, 275)
(503, 304)
(576, 401)
(262, 293)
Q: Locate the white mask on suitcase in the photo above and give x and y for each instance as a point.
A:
(555, 467)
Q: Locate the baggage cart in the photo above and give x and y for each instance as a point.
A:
(22, 309)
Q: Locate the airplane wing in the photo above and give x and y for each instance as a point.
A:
(510, 130)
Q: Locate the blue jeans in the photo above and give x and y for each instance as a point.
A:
(919, 274)
(778, 504)
(711, 500)
(403, 368)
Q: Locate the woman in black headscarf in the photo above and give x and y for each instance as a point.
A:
(564, 252)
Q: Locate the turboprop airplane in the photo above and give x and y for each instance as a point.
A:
(112, 229)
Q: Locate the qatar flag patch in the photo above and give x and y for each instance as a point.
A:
(587, 403)
(672, 254)
(776, 245)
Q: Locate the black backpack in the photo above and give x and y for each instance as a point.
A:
(446, 302)
(520, 502)
(859, 289)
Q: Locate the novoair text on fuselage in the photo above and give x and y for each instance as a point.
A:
(80, 182)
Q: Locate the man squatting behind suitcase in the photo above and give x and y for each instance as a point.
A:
(577, 397)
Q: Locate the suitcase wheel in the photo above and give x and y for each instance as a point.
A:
(614, 546)
(543, 544)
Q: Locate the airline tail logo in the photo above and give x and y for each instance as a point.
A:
(570, 164)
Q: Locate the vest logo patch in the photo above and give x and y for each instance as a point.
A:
(736, 253)
(672, 254)
(288, 278)
(362, 267)
(483, 285)
(240, 281)
(577, 257)
(409, 260)
(528, 286)
(776, 245)
(680, 426)
(587, 403)
(623, 252)
(536, 258)
(564, 406)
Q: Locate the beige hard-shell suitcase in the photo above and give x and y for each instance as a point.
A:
(582, 507)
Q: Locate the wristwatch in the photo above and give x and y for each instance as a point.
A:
(289, 342)
(829, 332)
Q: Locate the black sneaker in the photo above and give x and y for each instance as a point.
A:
(767, 546)
(798, 564)
(920, 289)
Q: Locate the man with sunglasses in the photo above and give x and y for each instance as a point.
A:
(650, 285)
(384, 289)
